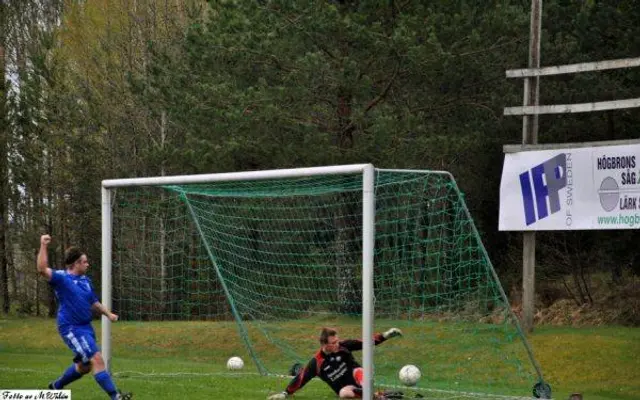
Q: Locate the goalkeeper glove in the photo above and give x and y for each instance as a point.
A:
(278, 396)
(393, 332)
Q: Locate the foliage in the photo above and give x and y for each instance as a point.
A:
(109, 88)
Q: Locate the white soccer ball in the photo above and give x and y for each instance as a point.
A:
(235, 363)
(409, 375)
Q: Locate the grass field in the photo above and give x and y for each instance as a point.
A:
(602, 363)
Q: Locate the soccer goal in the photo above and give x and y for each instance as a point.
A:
(283, 253)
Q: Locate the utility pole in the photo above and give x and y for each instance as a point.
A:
(530, 136)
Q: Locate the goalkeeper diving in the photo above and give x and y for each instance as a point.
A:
(334, 364)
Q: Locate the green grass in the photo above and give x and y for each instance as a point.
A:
(602, 363)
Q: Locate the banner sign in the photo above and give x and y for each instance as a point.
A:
(571, 189)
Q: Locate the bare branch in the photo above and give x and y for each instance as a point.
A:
(307, 34)
(375, 101)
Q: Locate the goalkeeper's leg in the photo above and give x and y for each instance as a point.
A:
(350, 392)
(353, 391)
(358, 375)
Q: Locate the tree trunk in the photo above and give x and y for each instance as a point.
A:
(49, 227)
(4, 173)
(578, 283)
(163, 232)
(344, 140)
(347, 293)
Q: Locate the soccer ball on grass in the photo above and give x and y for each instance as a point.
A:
(235, 363)
(409, 375)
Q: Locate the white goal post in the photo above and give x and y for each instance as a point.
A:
(368, 233)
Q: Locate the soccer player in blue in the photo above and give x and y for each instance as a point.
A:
(76, 301)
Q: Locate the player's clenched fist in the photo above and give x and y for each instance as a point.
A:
(45, 239)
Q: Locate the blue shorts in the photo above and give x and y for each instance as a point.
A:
(81, 339)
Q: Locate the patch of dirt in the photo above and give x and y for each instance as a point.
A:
(621, 307)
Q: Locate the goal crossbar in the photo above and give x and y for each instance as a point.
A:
(368, 234)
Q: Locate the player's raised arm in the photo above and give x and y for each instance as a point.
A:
(356, 344)
(43, 257)
(391, 333)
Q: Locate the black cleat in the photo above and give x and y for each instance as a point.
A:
(50, 386)
(389, 395)
(124, 395)
(393, 394)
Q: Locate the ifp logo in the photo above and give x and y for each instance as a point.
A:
(543, 182)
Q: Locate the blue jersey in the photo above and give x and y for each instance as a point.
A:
(75, 297)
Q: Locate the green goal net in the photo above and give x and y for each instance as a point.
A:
(273, 261)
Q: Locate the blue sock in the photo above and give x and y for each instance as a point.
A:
(104, 380)
(67, 377)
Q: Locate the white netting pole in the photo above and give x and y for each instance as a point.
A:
(368, 237)
(106, 274)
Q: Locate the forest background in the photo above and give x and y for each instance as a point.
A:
(129, 88)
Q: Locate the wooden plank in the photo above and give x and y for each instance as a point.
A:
(574, 68)
(573, 108)
(516, 148)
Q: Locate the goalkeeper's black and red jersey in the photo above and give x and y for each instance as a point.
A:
(335, 368)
